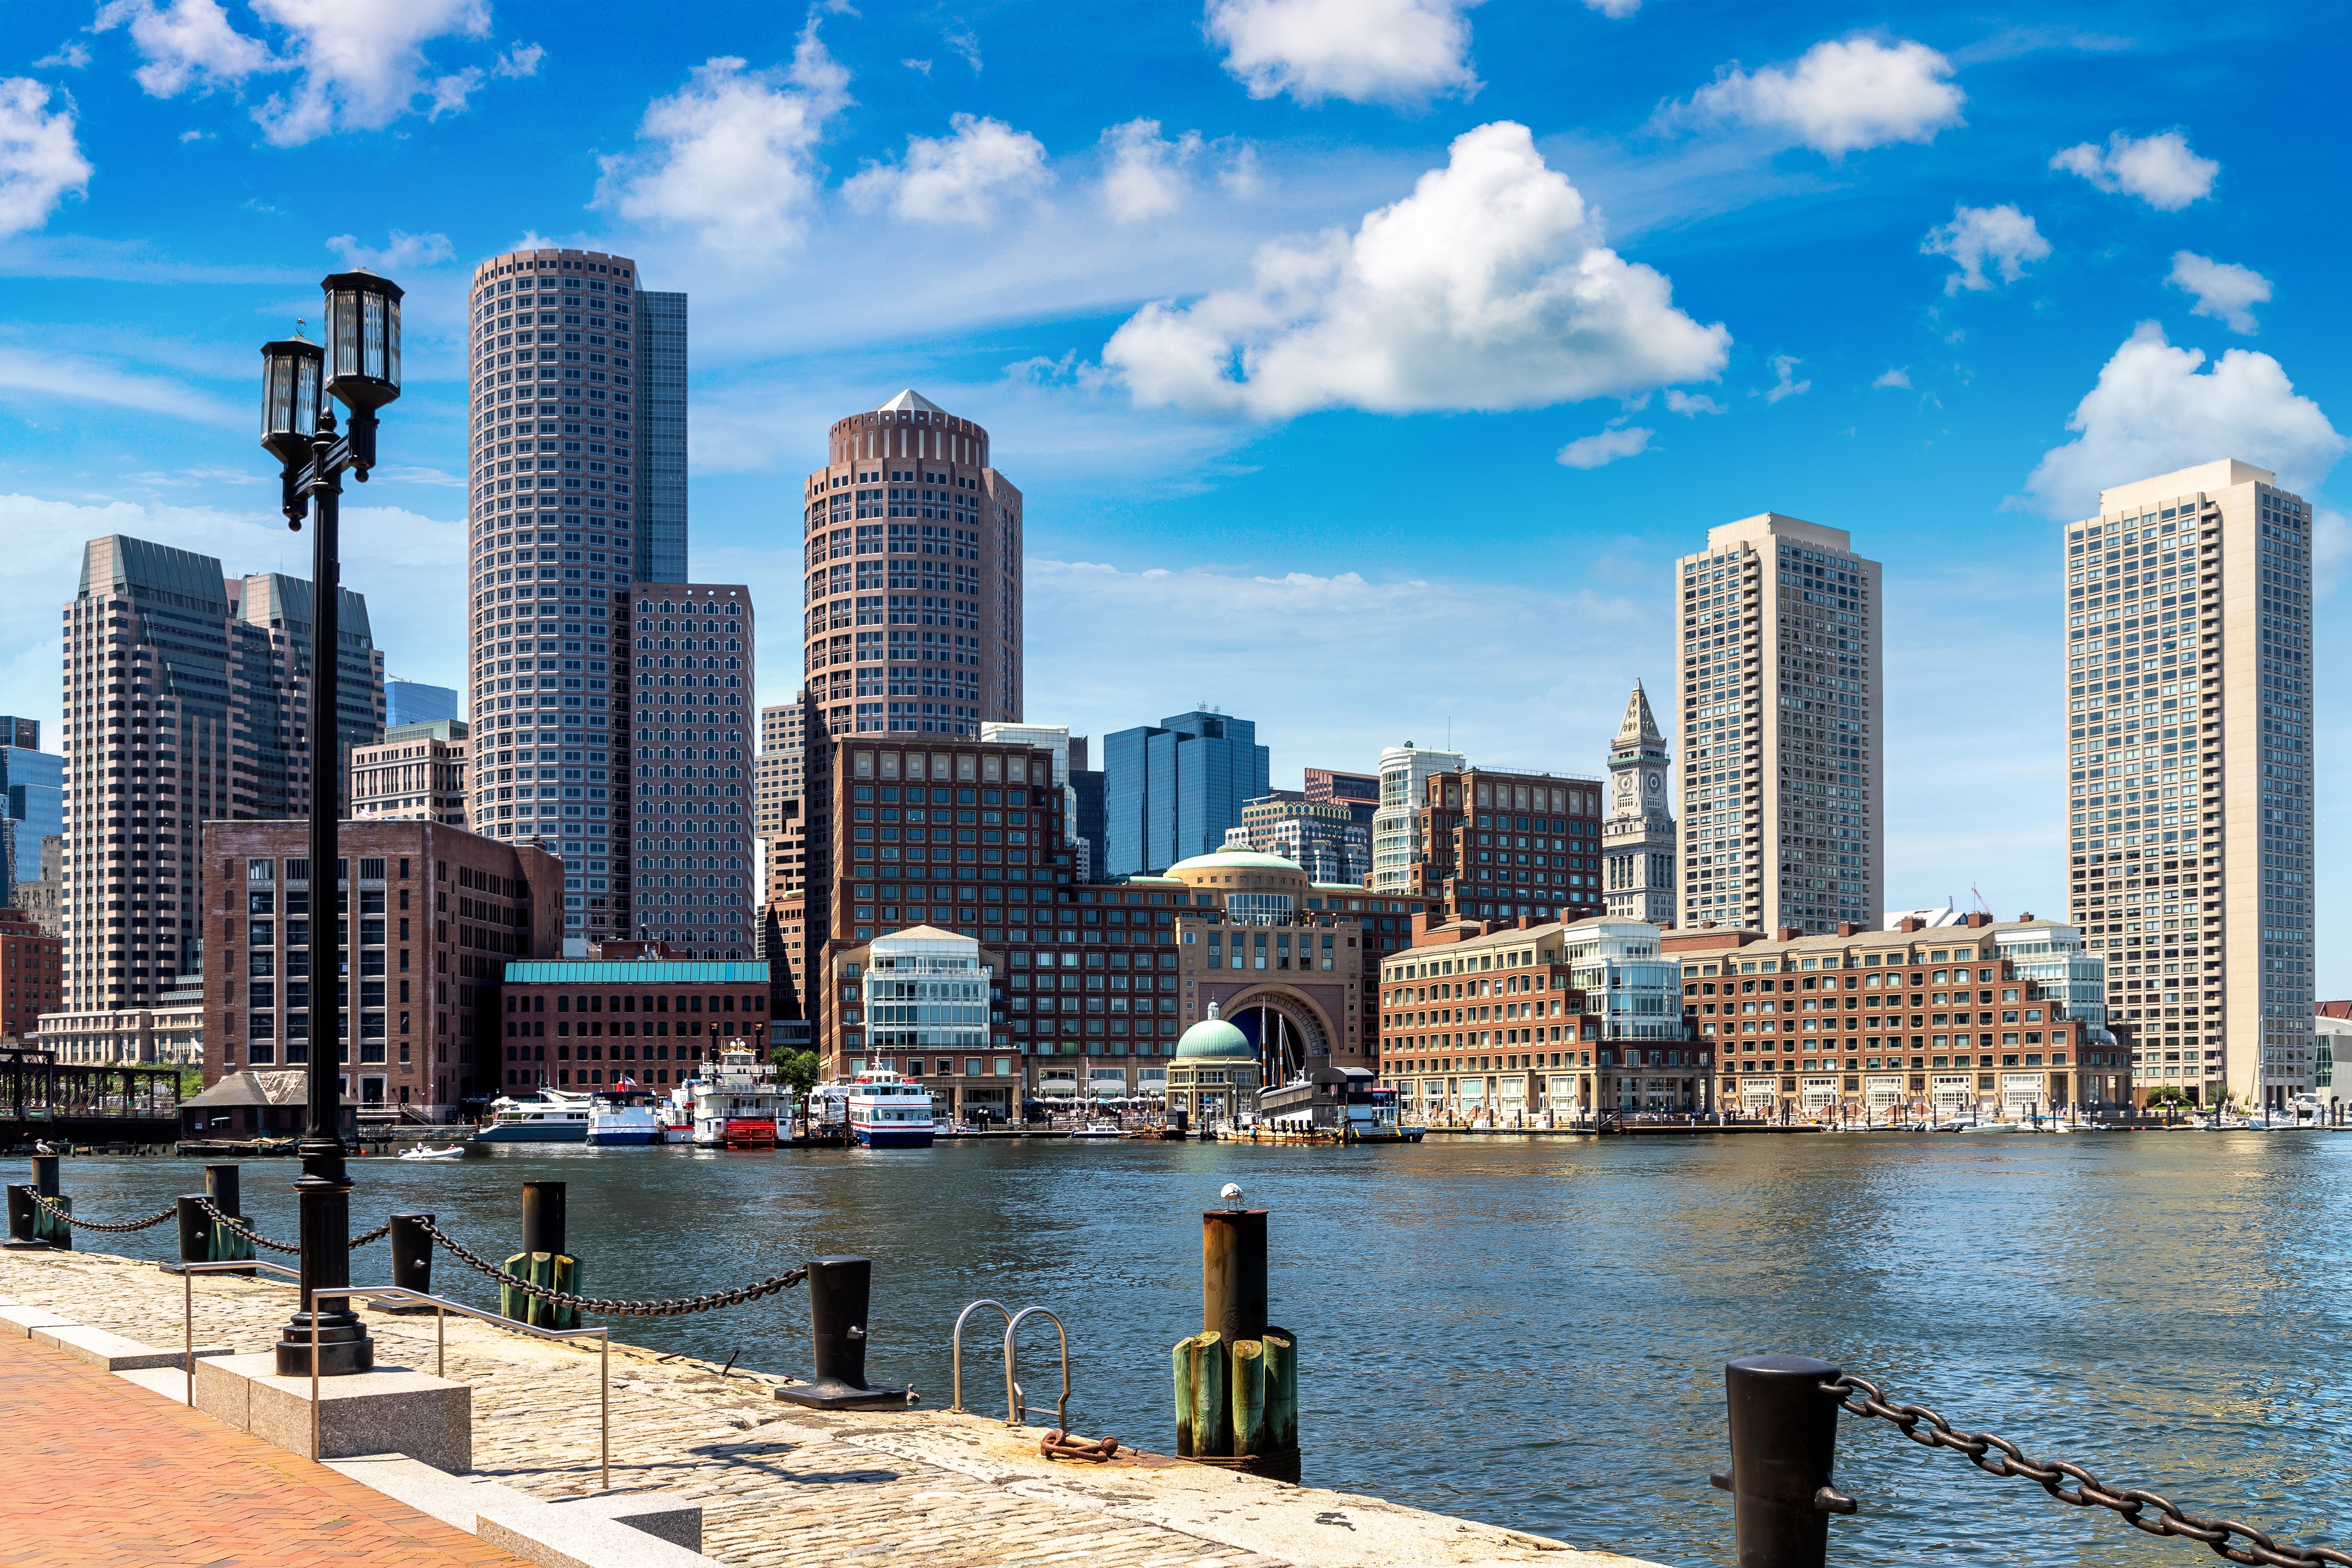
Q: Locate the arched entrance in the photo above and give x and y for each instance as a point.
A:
(1289, 1032)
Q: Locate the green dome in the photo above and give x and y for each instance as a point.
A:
(1213, 1039)
(1235, 861)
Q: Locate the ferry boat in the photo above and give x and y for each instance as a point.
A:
(623, 1116)
(553, 1116)
(886, 1111)
(741, 1105)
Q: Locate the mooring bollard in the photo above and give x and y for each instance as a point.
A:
(20, 1219)
(840, 1291)
(221, 1189)
(543, 1261)
(196, 1232)
(411, 1262)
(47, 1227)
(1237, 1381)
(1783, 1443)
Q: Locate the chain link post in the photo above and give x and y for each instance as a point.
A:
(412, 1261)
(1783, 1443)
(196, 1230)
(20, 1218)
(840, 1291)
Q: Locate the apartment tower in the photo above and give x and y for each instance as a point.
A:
(187, 699)
(2189, 779)
(578, 478)
(1783, 760)
(1396, 825)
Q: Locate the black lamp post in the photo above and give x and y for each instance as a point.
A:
(358, 365)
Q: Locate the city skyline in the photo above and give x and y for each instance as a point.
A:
(2050, 281)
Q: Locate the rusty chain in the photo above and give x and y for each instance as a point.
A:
(710, 1301)
(117, 1228)
(1997, 1456)
(236, 1226)
(378, 1234)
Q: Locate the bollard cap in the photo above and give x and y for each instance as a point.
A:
(1780, 1364)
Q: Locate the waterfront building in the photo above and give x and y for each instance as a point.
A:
(1499, 1021)
(424, 930)
(42, 894)
(1782, 717)
(1064, 747)
(172, 1031)
(630, 1010)
(32, 974)
(1172, 790)
(32, 798)
(688, 810)
(409, 702)
(415, 774)
(2331, 1044)
(1503, 845)
(1991, 1018)
(2191, 766)
(1396, 822)
(1323, 835)
(1216, 1073)
(1638, 839)
(913, 563)
(186, 699)
(925, 996)
(578, 483)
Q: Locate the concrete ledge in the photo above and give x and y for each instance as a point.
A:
(455, 1501)
(387, 1410)
(461, 1501)
(112, 1352)
(567, 1535)
(20, 1321)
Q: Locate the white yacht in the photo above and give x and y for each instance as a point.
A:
(552, 1116)
(887, 1111)
(740, 1104)
(623, 1116)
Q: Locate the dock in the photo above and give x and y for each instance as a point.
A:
(780, 1486)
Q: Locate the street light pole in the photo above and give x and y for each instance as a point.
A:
(359, 365)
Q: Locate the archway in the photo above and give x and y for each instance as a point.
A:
(1275, 1021)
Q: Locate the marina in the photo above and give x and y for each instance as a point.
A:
(1588, 1289)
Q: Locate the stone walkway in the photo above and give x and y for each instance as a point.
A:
(783, 1485)
(105, 1474)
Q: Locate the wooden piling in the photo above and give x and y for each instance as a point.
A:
(1281, 1357)
(1247, 1399)
(1202, 1429)
(1232, 1273)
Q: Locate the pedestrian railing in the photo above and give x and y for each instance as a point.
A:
(1783, 1415)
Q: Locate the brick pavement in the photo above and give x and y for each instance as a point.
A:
(105, 1474)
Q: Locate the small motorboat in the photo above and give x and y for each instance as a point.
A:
(1094, 1131)
(454, 1151)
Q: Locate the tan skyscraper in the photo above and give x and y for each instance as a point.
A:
(578, 476)
(1637, 837)
(1783, 761)
(2188, 705)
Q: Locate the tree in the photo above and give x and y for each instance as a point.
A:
(2168, 1094)
(797, 1069)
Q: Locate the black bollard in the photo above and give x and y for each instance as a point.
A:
(543, 1260)
(46, 1227)
(220, 1185)
(412, 1261)
(542, 1218)
(195, 1233)
(1233, 1274)
(840, 1290)
(44, 1175)
(1783, 1443)
(20, 1220)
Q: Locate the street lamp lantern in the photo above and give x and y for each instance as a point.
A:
(289, 398)
(362, 353)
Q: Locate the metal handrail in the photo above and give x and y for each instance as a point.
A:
(1016, 1410)
(442, 1305)
(957, 1408)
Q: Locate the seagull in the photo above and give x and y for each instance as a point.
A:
(1231, 1195)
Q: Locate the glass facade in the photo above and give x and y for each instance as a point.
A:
(1172, 790)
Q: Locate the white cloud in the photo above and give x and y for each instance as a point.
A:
(1897, 375)
(403, 252)
(2002, 236)
(1783, 365)
(1693, 404)
(1605, 446)
(520, 60)
(1844, 95)
(2160, 169)
(2152, 412)
(1366, 51)
(72, 55)
(2224, 290)
(966, 177)
(43, 377)
(1615, 10)
(360, 64)
(964, 42)
(1488, 287)
(41, 163)
(733, 155)
(1144, 174)
(922, 66)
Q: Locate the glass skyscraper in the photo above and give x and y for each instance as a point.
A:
(1171, 790)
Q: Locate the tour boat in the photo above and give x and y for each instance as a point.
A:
(622, 1117)
(552, 1116)
(886, 1111)
(741, 1105)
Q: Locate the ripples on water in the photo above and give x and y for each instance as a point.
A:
(1532, 1332)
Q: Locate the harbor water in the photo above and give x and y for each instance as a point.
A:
(1531, 1331)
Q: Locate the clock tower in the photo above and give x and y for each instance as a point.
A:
(1637, 839)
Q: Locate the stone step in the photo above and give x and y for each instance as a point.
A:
(112, 1353)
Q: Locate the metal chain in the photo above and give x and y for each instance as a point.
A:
(236, 1226)
(50, 1208)
(378, 1234)
(704, 1303)
(1929, 1430)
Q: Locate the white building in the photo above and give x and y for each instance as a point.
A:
(925, 992)
(2190, 767)
(1783, 823)
(1638, 836)
(1396, 825)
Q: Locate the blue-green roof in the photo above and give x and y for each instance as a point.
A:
(587, 972)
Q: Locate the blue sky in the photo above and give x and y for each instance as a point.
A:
(1365, 363)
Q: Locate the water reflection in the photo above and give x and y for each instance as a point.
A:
(1533, 1332)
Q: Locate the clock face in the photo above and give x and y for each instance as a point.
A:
(1657, 784)
(1624, 783)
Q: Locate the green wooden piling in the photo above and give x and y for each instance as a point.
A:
(1281, 1391)
(550, 1271)
(1201, 1377)
(1248, 1397)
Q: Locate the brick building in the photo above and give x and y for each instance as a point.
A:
(632, 1011)
(32, 974)
(1498, 845)
(426, 928)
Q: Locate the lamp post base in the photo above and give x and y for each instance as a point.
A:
(344, 1348)
(323, 1193)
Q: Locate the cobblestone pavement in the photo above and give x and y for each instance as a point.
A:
(780, 1484)
(108, 1475)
